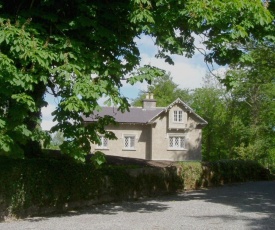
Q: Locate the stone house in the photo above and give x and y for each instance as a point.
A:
(154, 133)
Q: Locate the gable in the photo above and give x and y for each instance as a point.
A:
(177, 117)
(178, 104)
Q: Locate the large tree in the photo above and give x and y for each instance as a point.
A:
(253, 93)
(241, 118)
(79, 50)
(210, 102)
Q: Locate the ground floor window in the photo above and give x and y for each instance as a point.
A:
(103, 143)
(129, 141)
(176, 142)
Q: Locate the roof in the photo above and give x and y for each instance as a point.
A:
(138, 115)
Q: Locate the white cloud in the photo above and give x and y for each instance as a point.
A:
(46, 111)
(220, 71)
(47, 118)
(47, 125)
(185, 73)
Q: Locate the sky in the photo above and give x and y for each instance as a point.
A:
(186, 72)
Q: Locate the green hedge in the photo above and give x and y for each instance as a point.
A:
(41, 182)
(36, 184)
(53, 184)
(196, 174)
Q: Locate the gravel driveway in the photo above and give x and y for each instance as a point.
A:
(240, 206)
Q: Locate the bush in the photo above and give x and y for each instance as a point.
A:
(192, 174)
(44, 182)
(195, 174)
(31, 185)
(36, 184)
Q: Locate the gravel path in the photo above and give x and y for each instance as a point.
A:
(240, 206)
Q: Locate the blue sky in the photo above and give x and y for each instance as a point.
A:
(186, 72)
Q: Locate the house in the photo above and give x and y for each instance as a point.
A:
(154, 133)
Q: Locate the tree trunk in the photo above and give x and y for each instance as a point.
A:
(33, 148)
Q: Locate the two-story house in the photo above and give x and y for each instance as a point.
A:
(154, 133)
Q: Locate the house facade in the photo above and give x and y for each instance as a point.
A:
(154, 133)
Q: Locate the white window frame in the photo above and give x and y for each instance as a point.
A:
(131, 142)
(103, 143)
(178, 116)
(176, 142)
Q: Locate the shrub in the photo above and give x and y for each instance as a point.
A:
(195, 174)
(192, 174)
(36, 184)
(53, 184)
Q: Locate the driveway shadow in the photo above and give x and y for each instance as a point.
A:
(247, 199)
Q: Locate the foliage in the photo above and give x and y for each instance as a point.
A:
(210, 103)
(98, 159)
(196, 174)
(57, 139)
(165, 91)
(253, 95)
(34, 184)
(241, 116)
(79, 50)
(192, 174)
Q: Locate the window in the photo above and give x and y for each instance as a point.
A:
(176, 142)
(178, 116)
(129, 142)
(103, 143)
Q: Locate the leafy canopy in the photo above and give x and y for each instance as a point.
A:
(80, 50)
(164, 90)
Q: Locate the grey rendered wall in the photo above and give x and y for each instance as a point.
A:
(160, 141)
(142, 141)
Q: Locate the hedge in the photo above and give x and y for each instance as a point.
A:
(205, 174)
(37, 186)
(34, 186)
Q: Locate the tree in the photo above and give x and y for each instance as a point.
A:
(210, 103)
(57, 139)
(253, 90)
(79, 50)
(241, 119)
(165, 91)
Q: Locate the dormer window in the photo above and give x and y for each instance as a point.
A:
(178, 116)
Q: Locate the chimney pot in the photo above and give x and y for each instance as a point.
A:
(149, 102)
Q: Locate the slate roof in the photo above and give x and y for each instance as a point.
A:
(139, 115)
(136, 115)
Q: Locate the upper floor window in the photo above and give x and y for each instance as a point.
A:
(177, 116)
(103, 143)
(129, 141)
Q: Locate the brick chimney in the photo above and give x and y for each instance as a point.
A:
(149, 102)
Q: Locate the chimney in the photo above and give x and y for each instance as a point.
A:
(149, 102)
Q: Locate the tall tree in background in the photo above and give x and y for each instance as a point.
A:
(165, 91)
(210, 103)
(79, 50)
(253, 92)
(241, 119)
